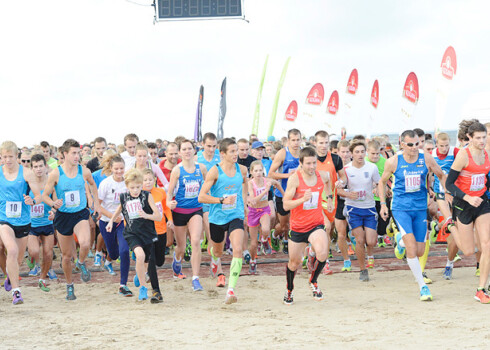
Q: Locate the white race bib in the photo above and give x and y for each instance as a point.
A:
(229, 206)
(13, 209)
(361, 195)
(312, 203)
(477, 182)
(37, 211)
(192, 189)
(72, 199)
(264, 197)
(412, 183)
(133, 207)
(292, 170)
(160, 207)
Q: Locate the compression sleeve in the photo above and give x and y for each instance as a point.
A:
(450, 184)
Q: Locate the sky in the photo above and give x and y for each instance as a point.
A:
(82, 69)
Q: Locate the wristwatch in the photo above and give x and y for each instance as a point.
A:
(329, 196)
(221, 199)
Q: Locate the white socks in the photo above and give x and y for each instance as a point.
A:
(414, 265)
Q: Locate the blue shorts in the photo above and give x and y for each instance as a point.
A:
(42, 230)
(412, 221)
(367, 217)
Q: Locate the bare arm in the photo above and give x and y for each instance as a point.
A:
(211, 178)
(174, 177)
(390, 167)
(93, 188)
(156, 216)
(49, 189)
(276, 164)
(288, 202)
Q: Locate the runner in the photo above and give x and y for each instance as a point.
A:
(50, 161)
(15, 219)
(227, 182)
(187, 178)
(129, 155)
(100, 146)
(68, 181)
(142, 162)
(303, 198)
(409, 203)
(140, 212)
(467, 182)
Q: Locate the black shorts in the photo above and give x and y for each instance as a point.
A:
(136, 241)
(47, 230)
(466, 213)
(19, 231)
(217, 232)
(302, 237)
(280, 208)
(64, 223)
(270, 195)
(339, 213)
(182, 219)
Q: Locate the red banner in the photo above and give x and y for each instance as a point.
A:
(375, 94)
(292, 111)
(333, 103)
(353, 82)
(411, 88)
(316, 95)
(449, 63)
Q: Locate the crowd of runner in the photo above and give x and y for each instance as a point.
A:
(142, 201)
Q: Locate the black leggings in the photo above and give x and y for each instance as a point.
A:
(149, 250)
(159, 247)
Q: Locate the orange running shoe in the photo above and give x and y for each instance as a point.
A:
(482, 296)
(326, 269)
(350, 251)
(221, 280)
(180, 276)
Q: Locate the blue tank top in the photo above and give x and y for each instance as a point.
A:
(445, 165)
(201, 160)
(289, 165)
(225, 186)
(98, 177)
(40, 213)
(409, 185)
(72, 191)
(189, 187)
(12, 206)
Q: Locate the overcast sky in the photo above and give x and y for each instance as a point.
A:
(91, 68)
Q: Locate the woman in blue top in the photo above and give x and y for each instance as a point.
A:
(15, 214)
(68, 180)
(186, 181)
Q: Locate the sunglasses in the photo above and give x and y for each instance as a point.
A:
(25, 161)
(410, 144)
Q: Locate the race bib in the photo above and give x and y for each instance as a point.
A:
(72, 199)
(361, 195)
(13, 209)
(116, 199)
(264, 197)
(192, 189)
(292, 170)
(312, 203)
(412, 183)
(37, 211)
(160, 207)
(133, 207)
(477, 182)
(229, 206)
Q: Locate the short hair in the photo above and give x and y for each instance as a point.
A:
(419, 132)
(359, 137)
(9, 146)
(208, 136)
(44, 144)
(179, 139)
(242, 140)
(38, 158)
(343, 143)
(321, 133)
(373, 144)
(294, 132)
(442, 136)
(476, 127)
(334, 144)
(277, 145)
(99, 140)
(140, 146)
(133, 175)
(430, 142)
(69, 144)
(147, 171)
(225, 143)
(255, 163)
(355, 144)
(87, 145)
(186, 141)
(407, 133)
(306, 152)
(172, 144)
(151, 145)
(131, 137)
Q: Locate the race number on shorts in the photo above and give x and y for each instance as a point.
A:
(133, 207)
(13, 209)
(72, 199)
(412, 183)
(477, 182)
(37, 211)
(312, 203)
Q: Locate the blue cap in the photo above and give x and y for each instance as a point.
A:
(257, 144)
(271, 139)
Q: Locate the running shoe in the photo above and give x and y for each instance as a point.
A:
(330, 255)
(156, 298)
(326, 269)
(204, 244)
(143, 293)
(364, 275)
(147, 277)
(482, 296)
(288, 297)
(352, 240)
(304, 263)
(389, 228)
(347, 266)
(17, 298)
(188, 251)
(267, 247)
(167, 251)
(43, 286)
(317, 293)
(213, 267)
(252, 268)
(30, 262)
(221, 280)
(433, 232)
(457, 258)
(381, 242)
(35, 271)
(446, 227)
(427, 280)
(370, 263)
(125, 291)
(52, 275)
(108, 268)
(136, 280)
(259, 248)
(8, 286)
(229, 251)
(97, 260)
(477, 274)
(90, 254)
(230, 297)
(350, 251)
(86, 274)
(246, 257)
(179, 276)
(275, 243)
(176, 266)
(285, 247)
(70, 292)
(425, 294)
(387, 240)
(448, 273)
(196, 285)
(399, 250)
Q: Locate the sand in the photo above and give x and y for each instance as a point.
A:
(383, 313)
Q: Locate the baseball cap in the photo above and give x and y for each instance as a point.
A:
(257, 144)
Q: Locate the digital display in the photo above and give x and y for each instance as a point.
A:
(198, 9)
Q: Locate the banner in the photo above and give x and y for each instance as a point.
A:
(449, 63)
(333, 103)
(222, 110)
(372, 114)
(410, 96)
(276, 100)
(292, 111)
(353, 82)
(375, 94)
(197, 128)
(255, 124)
(316, 95)
(444, 84)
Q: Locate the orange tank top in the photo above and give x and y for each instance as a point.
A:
(308, 215)
(472, 179)
(329, 167)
